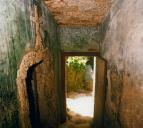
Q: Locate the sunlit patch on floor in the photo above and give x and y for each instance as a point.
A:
(81, 104)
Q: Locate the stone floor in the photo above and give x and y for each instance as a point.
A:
(77, 121)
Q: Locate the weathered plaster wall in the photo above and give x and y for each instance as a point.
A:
(123, 50)
(17, 36)
(79, 38)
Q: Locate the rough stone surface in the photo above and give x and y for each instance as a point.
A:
(123, 50)
(79, 12)
(79, 39)
(77, 121)
(43, 82)
(17, 34)
(28, 60)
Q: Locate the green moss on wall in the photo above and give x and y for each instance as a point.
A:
(15, 36)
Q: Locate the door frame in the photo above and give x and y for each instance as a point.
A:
(98, 82)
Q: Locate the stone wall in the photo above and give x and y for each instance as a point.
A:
(123, 50)
(81, 39)
(17, 34)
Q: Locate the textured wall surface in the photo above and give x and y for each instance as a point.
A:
(123, 50)
(79, 12)
(17, 34)
(48, 76)
(79, 39)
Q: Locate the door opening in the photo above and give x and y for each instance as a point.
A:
(96, 115)
(80, 85)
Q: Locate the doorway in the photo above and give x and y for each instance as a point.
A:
(98, 97)
(80, 85)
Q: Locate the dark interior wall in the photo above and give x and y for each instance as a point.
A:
(17, 36)
(81, 39)
(48, 72)
(51, 39)
(122, 48)
(46, 93)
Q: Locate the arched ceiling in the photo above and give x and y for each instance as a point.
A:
(79, 12)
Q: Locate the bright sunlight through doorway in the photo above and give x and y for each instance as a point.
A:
(80, 84)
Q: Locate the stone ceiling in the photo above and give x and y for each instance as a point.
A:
(78, 12)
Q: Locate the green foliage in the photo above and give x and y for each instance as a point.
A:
(75, 73)
(77, 63)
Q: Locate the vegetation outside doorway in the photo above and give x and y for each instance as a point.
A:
(100, 86)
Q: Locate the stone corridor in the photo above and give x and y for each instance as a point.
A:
(35, 37)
